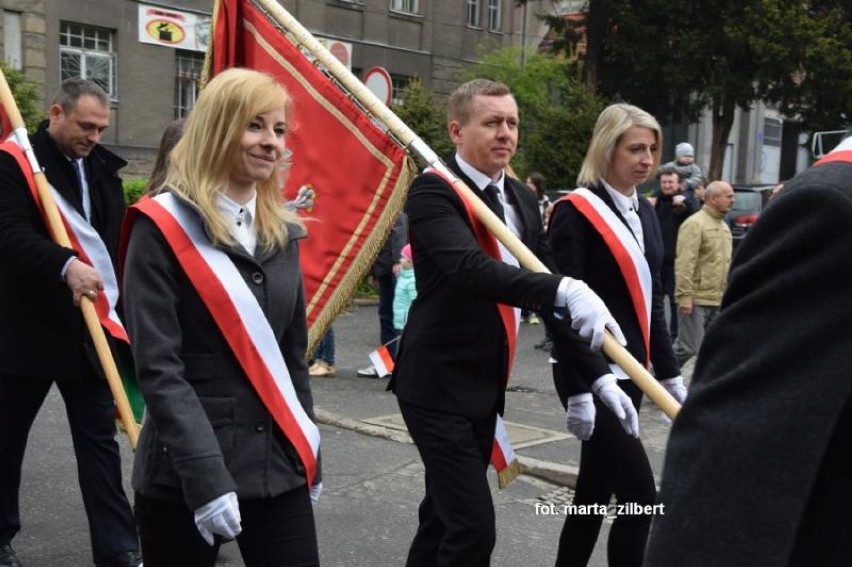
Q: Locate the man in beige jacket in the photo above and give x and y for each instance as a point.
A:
(701, 268)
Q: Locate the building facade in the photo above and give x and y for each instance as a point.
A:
(148, 55)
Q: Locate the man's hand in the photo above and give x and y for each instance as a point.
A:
(684, 309)
(82, 279)
(589, 316)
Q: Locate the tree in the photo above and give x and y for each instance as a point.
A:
(557, 112)
(676, 58)
(426, 117)
(25, 94)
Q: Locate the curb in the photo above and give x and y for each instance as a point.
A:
(562, 475)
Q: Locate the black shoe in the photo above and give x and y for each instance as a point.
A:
(8, 557)
(126, 559)
(544, 345)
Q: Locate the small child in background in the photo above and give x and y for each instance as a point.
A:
(405, 291)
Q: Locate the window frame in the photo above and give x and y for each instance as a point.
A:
(94, 47)
(474, 13)
(495, 15)
(405, 6)
(186, 77)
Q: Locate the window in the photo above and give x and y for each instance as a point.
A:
(473, 13)
(398, 85)
(86, 52)
(407, 6)
(188, 66)
(12, 45)
(495, 15)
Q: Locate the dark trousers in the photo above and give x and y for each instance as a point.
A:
(667, 274)
(387, 332)
(611, 462)
(91, 416)
(457, 524)
(276, 532)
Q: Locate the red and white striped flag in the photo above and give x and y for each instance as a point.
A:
(382, 361)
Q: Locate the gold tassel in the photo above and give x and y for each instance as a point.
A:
(512, 471)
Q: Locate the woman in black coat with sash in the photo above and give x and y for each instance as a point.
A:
(608, 235)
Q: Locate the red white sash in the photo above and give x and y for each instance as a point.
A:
(503, 457)
(239, 318)
(85, 241)
(843, 152)
(629, 257)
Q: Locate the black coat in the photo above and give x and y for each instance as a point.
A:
(453, 352)
(670, 218)
(757, 467)
(38, 313)
(207, 432)
(581, 252)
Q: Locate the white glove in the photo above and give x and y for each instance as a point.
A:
(580, 416)
(316, 490)
(220, 516)
(304, 199)
(613, 397)
(675, 387)
(589, 315)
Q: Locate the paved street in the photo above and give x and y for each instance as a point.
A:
(372, 474)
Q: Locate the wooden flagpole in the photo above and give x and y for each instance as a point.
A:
(60, 236)
(417, 147)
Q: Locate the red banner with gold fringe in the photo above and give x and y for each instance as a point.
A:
(359, 174)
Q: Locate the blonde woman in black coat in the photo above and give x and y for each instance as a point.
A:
(216, 313)
(607, 234)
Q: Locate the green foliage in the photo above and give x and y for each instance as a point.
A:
(426, 117)
(134, 189)
(675, 58)
(25, 94)
(366, 290)
(557, 112)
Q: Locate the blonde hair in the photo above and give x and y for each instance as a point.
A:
(461, 99)
(201, 159)
(612, 123)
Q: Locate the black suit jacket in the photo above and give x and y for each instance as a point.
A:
(38, 313)
(453, 353)
(581, 253)
(757, 466)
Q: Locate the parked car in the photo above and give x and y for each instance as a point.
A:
(749, 202)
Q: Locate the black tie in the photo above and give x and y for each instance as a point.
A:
(87, 206)
(493, 202)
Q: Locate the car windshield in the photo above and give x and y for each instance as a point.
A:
(746, 201)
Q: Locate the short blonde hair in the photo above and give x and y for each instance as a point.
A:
(458, 107)
(201, 159)
(612, 123)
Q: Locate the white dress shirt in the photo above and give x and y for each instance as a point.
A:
(628, 207)
(241, 219)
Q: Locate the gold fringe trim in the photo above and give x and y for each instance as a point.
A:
(342, 295)
(512, 471)
(207, 68)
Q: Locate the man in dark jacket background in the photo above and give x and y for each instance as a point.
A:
(672, 208)
(42, 333)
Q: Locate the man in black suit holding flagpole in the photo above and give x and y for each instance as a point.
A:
(455, 353)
